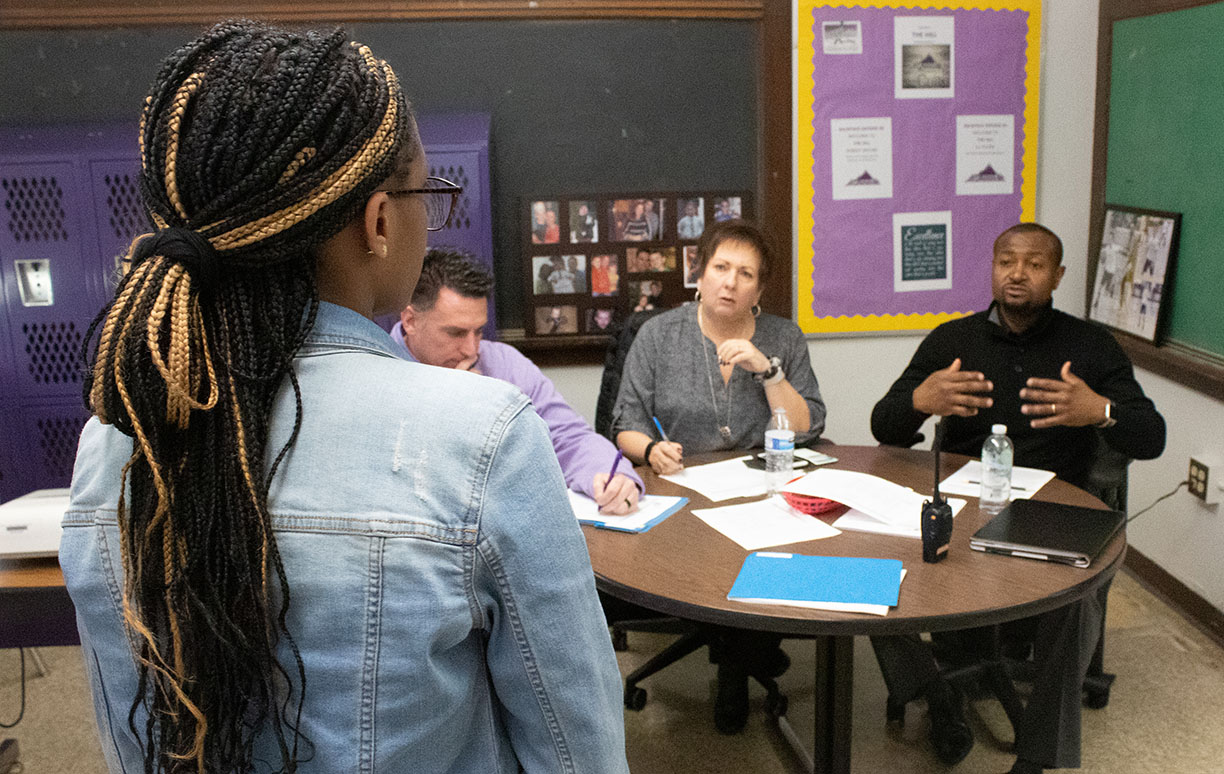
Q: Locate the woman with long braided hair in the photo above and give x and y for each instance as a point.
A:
(290, 550)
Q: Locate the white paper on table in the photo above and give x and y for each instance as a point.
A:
(765, 523)
(968, 481)
(857, 521)
(875, 496)
(724, 480)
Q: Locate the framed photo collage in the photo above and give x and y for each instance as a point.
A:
(592, 260)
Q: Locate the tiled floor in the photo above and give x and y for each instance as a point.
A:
(1166, 713)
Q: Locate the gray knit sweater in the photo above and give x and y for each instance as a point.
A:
(667, 376)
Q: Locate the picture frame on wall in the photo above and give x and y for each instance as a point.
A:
(690, 214)
(558, 319)
(583, 222)
(591, 260)
(1135, 270)
(692, 267)
(545, 222)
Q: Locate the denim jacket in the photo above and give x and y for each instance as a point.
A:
(440, 590)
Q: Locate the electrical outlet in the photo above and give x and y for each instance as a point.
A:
(1203, 482)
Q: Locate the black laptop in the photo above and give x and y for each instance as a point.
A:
(1048, 531)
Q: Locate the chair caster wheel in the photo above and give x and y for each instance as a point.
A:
(1096, 690)
(776, 705)
(620, 639)
(894, 712)
(1096, 699)
(635, 698)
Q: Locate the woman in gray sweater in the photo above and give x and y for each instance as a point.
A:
(712, 372)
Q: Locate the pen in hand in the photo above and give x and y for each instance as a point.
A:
(673, 463)
(659, 426)
(615, 464)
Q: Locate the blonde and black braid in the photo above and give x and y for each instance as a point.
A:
(257, 144)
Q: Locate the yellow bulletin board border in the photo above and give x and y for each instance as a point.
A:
(805, 216)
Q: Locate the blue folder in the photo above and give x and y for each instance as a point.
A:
(817, 580)
(652, 509)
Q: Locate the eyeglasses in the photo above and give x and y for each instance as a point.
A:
(440, 199)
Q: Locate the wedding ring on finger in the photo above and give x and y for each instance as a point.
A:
(1053, 408)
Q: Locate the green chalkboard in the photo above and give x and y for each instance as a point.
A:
(1166, 152)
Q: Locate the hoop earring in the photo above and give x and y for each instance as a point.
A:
(697, 296)
(756, 310)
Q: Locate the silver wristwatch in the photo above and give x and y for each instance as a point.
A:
(773, 374)
(1111, 416)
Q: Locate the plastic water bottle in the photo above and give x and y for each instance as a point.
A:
(779, 450)
(996, 470)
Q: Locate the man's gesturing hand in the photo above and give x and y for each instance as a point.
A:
(951, 391)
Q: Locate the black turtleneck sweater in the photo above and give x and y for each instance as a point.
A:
(1008, 360)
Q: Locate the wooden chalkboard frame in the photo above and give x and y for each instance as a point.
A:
(1193, 368)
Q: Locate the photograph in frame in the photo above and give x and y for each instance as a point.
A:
(605, 275)
(558, 274)
(545, 222)
(1134, 268)
(645, 294)
(583, 222)
(690, 217)
(602, 319)
(558, 319)
(728, 208)
(636, 220)
(692, 267)
(651, 259)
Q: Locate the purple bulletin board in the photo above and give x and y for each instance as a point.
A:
(916, 146)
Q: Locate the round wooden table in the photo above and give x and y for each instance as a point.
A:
(684, 568)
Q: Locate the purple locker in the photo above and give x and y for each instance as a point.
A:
(11, 480)
(457, 147)
(47, 298)
(118, 214)
(50, 221)
(49, 435)
(71, 207)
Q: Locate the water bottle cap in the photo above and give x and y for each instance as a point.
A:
(998, 429)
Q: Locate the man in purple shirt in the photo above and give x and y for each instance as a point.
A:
(443, 327)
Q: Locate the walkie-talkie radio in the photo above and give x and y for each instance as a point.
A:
(936, 513)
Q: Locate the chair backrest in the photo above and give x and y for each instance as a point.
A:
(614, 364)
(1107, 478)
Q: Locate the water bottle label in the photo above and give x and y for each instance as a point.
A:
(779, 440)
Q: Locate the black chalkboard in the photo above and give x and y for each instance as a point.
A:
(596, 106)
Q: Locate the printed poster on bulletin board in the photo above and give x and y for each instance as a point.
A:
(916, 146)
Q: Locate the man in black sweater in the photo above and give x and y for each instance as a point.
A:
(1058, 383)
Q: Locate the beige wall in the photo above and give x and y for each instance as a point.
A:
(1181, 535)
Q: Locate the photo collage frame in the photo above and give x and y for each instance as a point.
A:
(591, 260)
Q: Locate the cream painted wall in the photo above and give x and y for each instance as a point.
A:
(1182, 536)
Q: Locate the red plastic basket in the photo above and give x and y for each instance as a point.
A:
(810, 505)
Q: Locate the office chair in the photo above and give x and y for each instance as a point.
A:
(614, 366)
(693, 636)
(996, 665)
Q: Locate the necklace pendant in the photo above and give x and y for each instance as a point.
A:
(725, 432)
